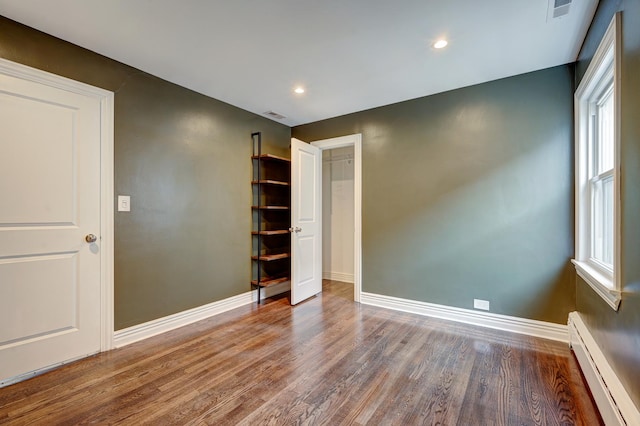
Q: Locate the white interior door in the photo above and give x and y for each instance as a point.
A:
(306, 218)
(50, 203)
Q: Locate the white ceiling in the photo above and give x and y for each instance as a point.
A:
(350, 55)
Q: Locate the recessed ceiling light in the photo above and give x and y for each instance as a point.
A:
(440, 44)
(299, 90)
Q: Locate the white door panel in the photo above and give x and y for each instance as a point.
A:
(50, 192)
(306, 246)
(41, 162)
(306, 217)
(40, 296)
(307, 200)
(20, 240)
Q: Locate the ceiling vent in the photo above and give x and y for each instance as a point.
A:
(558, 9)
(275, 115)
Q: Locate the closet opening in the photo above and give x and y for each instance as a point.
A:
(338, 224)
(342, 214)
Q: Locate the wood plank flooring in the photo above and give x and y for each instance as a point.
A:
(326, 361)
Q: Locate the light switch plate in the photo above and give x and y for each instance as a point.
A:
(124, 203)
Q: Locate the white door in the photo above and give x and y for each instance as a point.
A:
(306, 218)
(49, 204)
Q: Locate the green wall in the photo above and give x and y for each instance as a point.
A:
(184, 159)
(469, 194)
(618, 333)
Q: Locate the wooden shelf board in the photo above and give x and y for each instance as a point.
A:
(273, 232)
(271, 207)
(266, 281)
(271, 157)
(270, 182)
(270, 257)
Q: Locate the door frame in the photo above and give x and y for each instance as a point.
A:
(355, 141)
(106, 99)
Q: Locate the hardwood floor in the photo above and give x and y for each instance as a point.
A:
(326, 361)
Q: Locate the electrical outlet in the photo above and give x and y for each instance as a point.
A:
(481, 304)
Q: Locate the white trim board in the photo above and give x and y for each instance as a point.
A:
(545, 330)
(107, 220)
(337, 276)
(152, 328)
(614, 403)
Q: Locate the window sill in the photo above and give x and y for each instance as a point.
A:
(601, 284)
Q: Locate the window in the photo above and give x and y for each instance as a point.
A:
(597, 183)
(600, 177)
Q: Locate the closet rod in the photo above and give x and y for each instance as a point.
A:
(335, 160)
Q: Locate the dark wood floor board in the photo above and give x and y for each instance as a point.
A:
(392, 369)
(359, 406)
(582, 398)
(326, 361)
(119, 377)
(166, 380)
(412, 384)
(231, 380)
(328, 368)
(233, 373)
(479, 404)
(443, 404)
(318, 372)
(350, 372)
(568, 398)
(515, 410)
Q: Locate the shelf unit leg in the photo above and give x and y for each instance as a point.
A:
(257, 137)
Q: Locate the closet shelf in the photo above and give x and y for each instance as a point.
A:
(267, 281)
(273, 232)
(270, 157)
(270, 182)
(270, 257)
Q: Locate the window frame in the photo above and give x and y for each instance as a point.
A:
(603, 71)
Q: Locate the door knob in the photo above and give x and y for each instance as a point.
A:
(298, 229)
(90, 238)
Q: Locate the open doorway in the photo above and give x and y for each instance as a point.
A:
(341, 201)
(338, 219)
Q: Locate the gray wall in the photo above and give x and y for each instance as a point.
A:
(618, 333)
(469, 194)
(184, 159)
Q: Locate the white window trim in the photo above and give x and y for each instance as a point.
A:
(608, 54)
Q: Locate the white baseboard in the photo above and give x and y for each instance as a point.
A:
(529, 327)
(614, 403)
(148, 329)
(338, 276)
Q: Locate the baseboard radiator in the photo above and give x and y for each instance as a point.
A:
(614, 403)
